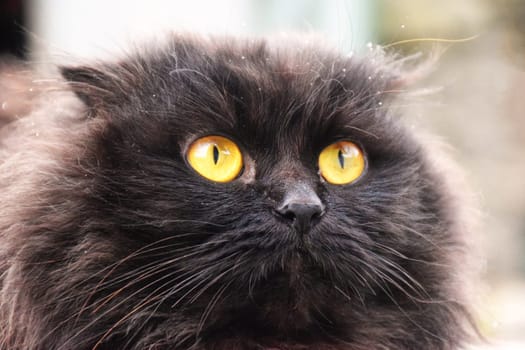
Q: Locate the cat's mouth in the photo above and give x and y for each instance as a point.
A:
(288, 293)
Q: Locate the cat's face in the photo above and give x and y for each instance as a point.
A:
(279, 251)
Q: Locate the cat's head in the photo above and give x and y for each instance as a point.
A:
(227, 190)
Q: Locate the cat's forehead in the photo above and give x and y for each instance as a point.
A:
(274, 97)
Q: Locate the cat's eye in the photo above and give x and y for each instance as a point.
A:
(341, 163)
(215, 158)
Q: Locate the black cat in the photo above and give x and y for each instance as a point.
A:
(226, 194)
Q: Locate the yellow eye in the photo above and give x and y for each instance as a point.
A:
(341, 163)
(215, 158)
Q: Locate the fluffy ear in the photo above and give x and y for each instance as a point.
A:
(406, 72)
(91, 85)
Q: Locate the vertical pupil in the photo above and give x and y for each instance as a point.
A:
(215, 154)
(341, 159)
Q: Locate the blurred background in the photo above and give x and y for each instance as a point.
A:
(477, 104)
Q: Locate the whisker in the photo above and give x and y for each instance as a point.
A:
(391, 297)
(210, 306)
(179, 286)
(407, 258)
(166, 265)
(119, 322)
(129, 257)
(169, 293)
(143, 250)
(160, 268)
(414, 283)
(121, 302)
(144, 270)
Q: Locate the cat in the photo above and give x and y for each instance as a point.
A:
(227, 194)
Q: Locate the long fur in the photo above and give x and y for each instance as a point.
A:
(109, 240)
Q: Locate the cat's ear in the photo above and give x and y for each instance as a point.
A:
(403, 74)
(407, 79)
(91, 85)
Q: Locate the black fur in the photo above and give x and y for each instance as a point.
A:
(109, 240)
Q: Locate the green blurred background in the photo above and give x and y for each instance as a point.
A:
(476, 104)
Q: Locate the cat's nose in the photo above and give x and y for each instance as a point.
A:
(301, 215)
(301, 207)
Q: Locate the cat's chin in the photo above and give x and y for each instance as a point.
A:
(279, 329)
(271, 344)
(285, 309)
